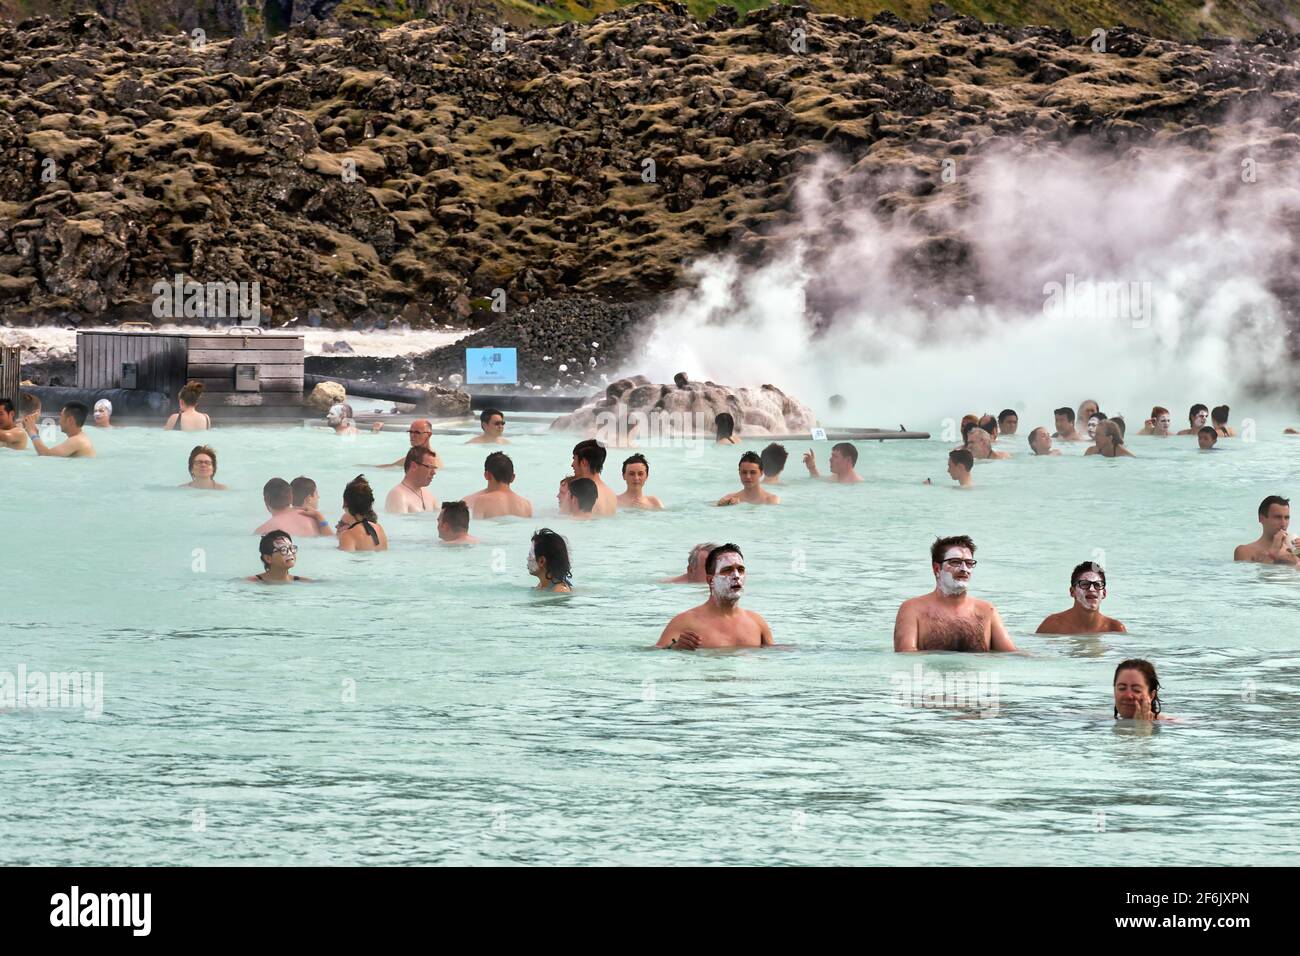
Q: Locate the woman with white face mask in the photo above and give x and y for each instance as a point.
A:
(548, 561)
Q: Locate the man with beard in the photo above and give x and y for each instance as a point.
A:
(719, 621)
(1088, 588)
(949, 619)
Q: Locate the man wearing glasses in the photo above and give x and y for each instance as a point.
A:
(948, 618)
(1088, 588)
(410, 496)
(493, 422)
(420, 432)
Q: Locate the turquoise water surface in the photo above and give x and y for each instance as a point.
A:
(424, 706)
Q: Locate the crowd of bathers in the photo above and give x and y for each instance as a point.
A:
(946, 618)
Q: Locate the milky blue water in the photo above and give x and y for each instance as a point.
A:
(424, 706)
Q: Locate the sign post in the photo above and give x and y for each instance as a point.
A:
(491, 367)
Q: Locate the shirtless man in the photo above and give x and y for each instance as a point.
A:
(774, 457)
(694, 566)
(277, 495)
(1275, 544)
(1088, 588)
(419, 432)
(588, 460)
(1207, 438)
(1198, 417)
(1041, 442)
(497, 500)
(1065, 429)
(719, 621)
(409, 496)
(1008, 422)
(581, 499)
(493, 423)
(751, 492)
(949, 619)
(453, 524)
(636, 472)
(844, 458)
(339, 418)
(980, 444)
(306, 499)
(960, 462)
(71, 421)
(12, 434)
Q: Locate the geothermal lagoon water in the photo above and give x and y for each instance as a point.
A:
(424, 706)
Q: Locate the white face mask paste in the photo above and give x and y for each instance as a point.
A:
(948, 584)
(532, 561)
(722, 584)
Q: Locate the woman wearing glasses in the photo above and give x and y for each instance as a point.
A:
(1088, 588)
(279, 555)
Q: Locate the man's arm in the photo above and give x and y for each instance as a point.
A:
(906, 628)
(999, 639)
(676, 638)
(810, 459)
(765, 631)
(61, 450)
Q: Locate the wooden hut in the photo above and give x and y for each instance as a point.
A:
(10, 372)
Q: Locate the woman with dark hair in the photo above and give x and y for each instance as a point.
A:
(1137, 691)
(189, 418)
(203, 469)
(725, 425)
(359, 529)
(548, 561)
(279, 555)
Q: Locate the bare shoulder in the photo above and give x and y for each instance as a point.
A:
(1051, 624)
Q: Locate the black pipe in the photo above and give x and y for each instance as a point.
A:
(126, 401)
(526, 403)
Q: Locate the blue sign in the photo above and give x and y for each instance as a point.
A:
(490, 367)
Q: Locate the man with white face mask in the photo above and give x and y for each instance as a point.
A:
(1088, 588)
(949, 619)
(719, 621)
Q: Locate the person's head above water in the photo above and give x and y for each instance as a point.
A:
(773, 459)
(724, 569)
(103, 413)
(636, 470)
(1108, 436)
(1160, 420)
(1219, 415)
(1088, 585)
(304, 492)
(582, 496)
(277, 495)
(695, 562)
(1008, 421)
(73, 416)
(844, 458)
(588, 458)
(989, 424)
(724, 424)
(453, 520)
(548, 556)
(960, 462)
(7, 413)
(419, 466)
(1064, 419)
(1087, 408)
(1137, 689)
(359, 499)
(277, 550)
(1095, 419)
(493, 422)
(420, 432)
(952, 559)
(1120, 424)
(203, 462)
(499, 468)
(751, 469)
(1207, 437)
(1040, 440)
(1198, 416)
(1275, 515)
(190, 394)
(979, 443)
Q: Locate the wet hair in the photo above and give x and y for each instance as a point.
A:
(585, 493)
(1148, 672)
(550, 545)
(1219, 414)
(693, 559)
(456, 514)
(1214, 432)
(267, 544)
(359, 499)
(711, 562)
(953, 541)
(724, 424)
(773, 459)
(1034, 431)
(751, 457)
(203, 450)
(415, 453)
(1099, 415)
(1120, 424)
(488, 413)
(500, 467)
(1272, 500)
(968, 420)
(191, 392)
(1111, 429)
(1158, 410)
(78, 412)
(591, 452)
(847, 449)
(7, 404)
(1066, 412)
(302, 489)
(963, 457)
(637, 459)
(988, 423)
(1196, 410)
(1007, 413)
(1082, 568)
(277, 494)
